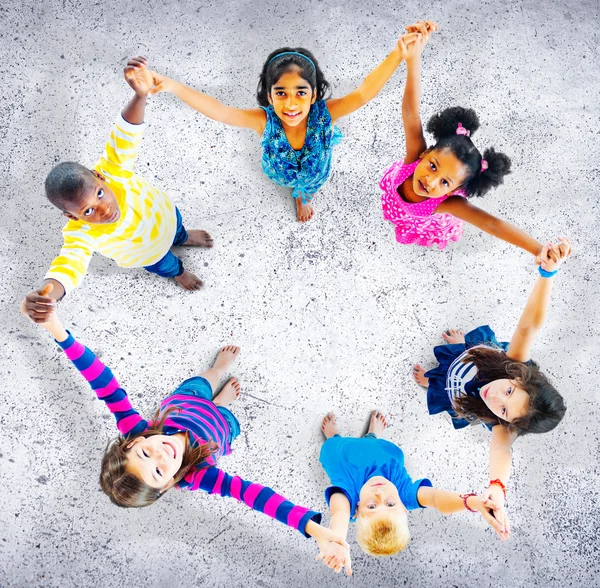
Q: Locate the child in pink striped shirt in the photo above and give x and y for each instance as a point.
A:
(180, 446)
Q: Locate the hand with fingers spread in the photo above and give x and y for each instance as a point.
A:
(138, 76)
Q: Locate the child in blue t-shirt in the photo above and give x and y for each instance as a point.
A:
(370, 486)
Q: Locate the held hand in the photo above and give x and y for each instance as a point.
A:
(486, 508)
(161, 83)
(138, 76)
(406, 44)
(495, 496)
(38, 306)
(335, 556)
(423, 29)
(553, 255)
(52, 322)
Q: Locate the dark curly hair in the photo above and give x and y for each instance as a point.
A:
(546, 406)
(273, 70)
(443, 127)
(65, 183)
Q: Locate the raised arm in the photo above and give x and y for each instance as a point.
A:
(251, 118)
(99, 377)
(374, 82)
(463, 209)
(451, 502)
(536, 309)
(411, 101)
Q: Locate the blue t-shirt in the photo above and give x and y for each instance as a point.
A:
(351, 461)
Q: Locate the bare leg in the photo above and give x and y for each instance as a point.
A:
(378, 424)
(304, 211)
(189, 281)
(329, 426)
(225, 358)
(198, 238)
(229, 393)
(419, 375)
(453, 336)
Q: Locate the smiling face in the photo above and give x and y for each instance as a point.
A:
(155, 460)
(438, 173)
(505, 399)
(291, 97)
(97, 203)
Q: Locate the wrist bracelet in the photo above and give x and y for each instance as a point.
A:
(464, 499)
(498, 482)
(544, 273)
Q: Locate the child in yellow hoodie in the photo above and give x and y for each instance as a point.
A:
(114, 211)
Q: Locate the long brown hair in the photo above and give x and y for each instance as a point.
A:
(546, 406)
(125, 489)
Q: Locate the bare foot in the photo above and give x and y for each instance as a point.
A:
(226, 357)
(419, 375)
(197, 238)
(378, 424)
(229, 393)
(329, 425)
(189, 281)
(453, 336)
(304, 211)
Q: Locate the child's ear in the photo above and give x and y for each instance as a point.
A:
(70, 216)
(99, 175)
(421, 155)
(314, 96)
(269, 98)
(130, 445)
(168, 486)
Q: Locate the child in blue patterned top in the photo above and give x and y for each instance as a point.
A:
(296, 117)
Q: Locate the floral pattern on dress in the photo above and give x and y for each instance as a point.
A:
(415, 221)
(305, 170)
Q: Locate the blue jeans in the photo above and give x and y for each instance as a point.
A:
(171, 266)
(198, 386)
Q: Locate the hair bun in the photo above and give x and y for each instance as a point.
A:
(445, 123)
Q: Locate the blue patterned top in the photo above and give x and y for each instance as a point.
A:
(305, 170)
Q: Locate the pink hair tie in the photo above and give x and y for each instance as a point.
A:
(462, 131)
(484, 165)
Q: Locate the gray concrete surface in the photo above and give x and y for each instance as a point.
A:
(330, 315)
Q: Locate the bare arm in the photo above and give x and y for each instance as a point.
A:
(252, 118)
(451, 502)
(333, 553)
(537, 306)
(139, 78)
(411, 101)
(463, 209)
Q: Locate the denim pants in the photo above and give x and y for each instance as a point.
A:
(171, 266)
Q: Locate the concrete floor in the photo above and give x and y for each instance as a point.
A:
(330, 315)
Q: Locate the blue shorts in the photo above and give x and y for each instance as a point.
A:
(171, 266)
(200, 387)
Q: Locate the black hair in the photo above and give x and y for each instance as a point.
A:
(443, 127)
(273, 70)
(65, 183)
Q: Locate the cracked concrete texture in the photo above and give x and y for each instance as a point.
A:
(330, 315)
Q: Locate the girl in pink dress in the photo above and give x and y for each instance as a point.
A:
(425, 195)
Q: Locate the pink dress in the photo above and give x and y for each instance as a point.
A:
(415, 221)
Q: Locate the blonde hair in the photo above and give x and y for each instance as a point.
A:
(383, 535)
